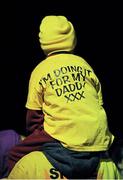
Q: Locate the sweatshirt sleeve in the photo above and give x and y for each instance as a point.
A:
(35, 92)
(100, 94)
(34, 120)
(97, 85)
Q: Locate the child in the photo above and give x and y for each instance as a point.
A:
(65, 106)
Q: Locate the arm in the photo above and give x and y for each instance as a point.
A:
(34, 120)
(34, 115)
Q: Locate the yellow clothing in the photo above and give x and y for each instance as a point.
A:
(56, 34)
(34, 166)
(66, 88)
(107, 170)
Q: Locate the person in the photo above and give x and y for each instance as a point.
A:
(8, 139)
(65, 114)
(30, 167)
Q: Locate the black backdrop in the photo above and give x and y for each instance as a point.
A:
(99, 32)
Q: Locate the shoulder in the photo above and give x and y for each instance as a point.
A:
(38, 68)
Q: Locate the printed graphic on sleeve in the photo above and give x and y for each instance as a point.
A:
(69, 82)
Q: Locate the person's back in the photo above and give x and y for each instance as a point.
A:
(71, 99)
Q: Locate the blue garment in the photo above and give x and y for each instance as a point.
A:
(72, 164)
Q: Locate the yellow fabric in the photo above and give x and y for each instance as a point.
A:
(56, 34)
(66, 88)
(107, 170)
(34, 166)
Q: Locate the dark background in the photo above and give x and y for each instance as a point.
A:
(99, 33)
